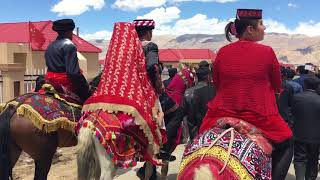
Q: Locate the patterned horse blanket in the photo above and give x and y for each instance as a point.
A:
(48, 112)
(122, 138)
(247, 160)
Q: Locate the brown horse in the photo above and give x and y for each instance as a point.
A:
(19, 133)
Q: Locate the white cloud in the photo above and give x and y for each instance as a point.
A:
(309, 28)
(218, 1)
(70, 7)
(292, 5)
(168, 21)
(198, 24)
(97, 35)
(162, 15)
(133, 5)
(275, 26)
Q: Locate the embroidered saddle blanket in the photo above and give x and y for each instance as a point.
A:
(247, 161)
(48, 112)
(117, 132)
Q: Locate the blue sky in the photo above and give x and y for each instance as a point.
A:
(96, 17)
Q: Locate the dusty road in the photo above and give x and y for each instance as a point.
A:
(64, 168)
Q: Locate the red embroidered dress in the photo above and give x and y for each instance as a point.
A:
(124, 108)
(247, 76)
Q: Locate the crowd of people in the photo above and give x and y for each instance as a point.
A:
(245, 81)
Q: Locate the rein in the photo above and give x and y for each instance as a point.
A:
(231, 130)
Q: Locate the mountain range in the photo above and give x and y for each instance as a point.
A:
(289, 48)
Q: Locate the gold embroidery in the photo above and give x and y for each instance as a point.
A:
(39, 122)
(221, 154)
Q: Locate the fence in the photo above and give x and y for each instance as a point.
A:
(30, 79)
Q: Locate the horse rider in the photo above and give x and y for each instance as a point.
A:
(246, 75)
(64, 72)
(144, 28)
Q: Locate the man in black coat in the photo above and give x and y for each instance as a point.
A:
(196, 99)
(306, 113)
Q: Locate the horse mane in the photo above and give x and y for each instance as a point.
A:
(40, 80)
(94, 83)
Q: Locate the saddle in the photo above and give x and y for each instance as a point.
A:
(247, 130)
(48, 111)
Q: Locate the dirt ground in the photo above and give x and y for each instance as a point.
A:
(65, 167)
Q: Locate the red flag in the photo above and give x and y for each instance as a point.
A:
(37, 38)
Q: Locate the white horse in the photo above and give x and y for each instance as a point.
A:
(93, 161)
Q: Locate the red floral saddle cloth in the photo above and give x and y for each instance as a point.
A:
(248, 159)
(48, 112)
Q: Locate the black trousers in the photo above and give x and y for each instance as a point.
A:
(307, 154)
(173, 123)
(281, 159)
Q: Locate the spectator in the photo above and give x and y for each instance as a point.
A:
(306, 113)
(196, 99)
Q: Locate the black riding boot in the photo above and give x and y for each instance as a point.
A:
(281, 159)
(141, 171)
(300, 170)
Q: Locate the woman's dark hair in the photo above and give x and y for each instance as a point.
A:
(240, 27)
(301, 69)
(142, 31)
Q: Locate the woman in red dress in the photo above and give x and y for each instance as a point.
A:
(246, 76)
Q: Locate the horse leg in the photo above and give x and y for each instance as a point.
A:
(108, 169)
(42, 167)
(15, 153)
(5, 139)
(87, 160)
(39, 145)
(43, 164)
(164, 170)
(148, 171)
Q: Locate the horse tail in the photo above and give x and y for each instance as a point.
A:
(5, 116)
(87, 158)
(204, 172)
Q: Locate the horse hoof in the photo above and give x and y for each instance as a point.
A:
(140, 173)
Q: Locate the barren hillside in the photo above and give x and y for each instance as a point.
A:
(295, 49)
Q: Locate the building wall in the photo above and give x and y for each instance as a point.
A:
(3, 53)
(7, 51)
(8, 84)
(34, 63)
(20, 48)
(13, 53)
(92, 64)
(38, 64)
